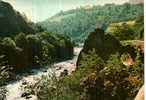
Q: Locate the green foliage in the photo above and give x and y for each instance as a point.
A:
(97, 78)
(3, 92)
(52, 88)
(116, 85)
(35, 50)
(81, 21)
(92, 60)
(4, 74)
(100, 74)
(112, 45)
(139, 66)
(139, 25)
(12, 22)
(92, 66)
(70, 87)
(94, 80)
(115, 81)
(129, 32)
(125, 56)
(22, 48)
(124, 32)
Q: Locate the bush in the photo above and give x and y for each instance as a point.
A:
(70, 87)
(124, 32)
(97, 79)
(35, 50)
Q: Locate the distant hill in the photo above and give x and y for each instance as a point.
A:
(136, 1)
(78, 23)
(112, 26)
(12, 22)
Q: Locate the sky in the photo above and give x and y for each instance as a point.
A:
(39, 10)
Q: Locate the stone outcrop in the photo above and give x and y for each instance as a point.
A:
(140, 95)
(103, 44)
(94, 41)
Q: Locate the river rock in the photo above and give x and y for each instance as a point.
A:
(25, 94)
(28, 97)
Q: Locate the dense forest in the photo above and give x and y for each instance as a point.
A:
(78, 23)
(110, 67)
(24, 45)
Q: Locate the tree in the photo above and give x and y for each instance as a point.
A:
(124, 32)
(34, 47)
(80, 22)
(9, 46)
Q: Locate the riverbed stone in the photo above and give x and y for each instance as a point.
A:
(25, 94)
(28, 97)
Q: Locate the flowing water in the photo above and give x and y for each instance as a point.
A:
(14, 88)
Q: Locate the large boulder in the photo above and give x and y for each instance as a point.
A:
(104, 44)
(94, 41)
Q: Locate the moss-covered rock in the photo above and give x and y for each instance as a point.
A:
(94, 41)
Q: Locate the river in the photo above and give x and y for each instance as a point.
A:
(14, 88)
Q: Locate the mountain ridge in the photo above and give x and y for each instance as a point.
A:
(12, 22)
(83, 21)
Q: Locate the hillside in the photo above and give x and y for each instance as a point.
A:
(136, 1)
(78, 23)
(111, 27)
(12, 22)
(88, 53)
(24, 45)
(109, 67)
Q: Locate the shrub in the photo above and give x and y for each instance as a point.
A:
(124, 32)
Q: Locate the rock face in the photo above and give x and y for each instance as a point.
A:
(140, 95)
(94, 41)
(11, 21)
(103, 44)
